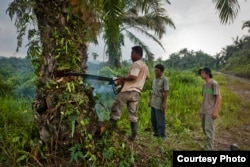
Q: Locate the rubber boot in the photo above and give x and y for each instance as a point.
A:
(133, 126)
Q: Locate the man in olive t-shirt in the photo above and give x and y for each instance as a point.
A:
(210, 106)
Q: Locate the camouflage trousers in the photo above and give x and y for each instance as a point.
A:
(129, 98)
(208, 127)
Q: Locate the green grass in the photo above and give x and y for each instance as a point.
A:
(230, 106)
(16, 130)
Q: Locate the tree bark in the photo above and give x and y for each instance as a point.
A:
(64, 108)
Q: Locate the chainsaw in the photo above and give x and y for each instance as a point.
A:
(116, 85)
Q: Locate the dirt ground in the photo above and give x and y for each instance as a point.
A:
(239, 134)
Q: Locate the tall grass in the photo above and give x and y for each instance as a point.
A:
(231, 104)
(17, 131)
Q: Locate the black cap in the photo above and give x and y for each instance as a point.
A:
(207, 71)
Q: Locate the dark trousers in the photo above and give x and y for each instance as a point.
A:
(158, 121)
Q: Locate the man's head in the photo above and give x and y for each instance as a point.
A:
(205, 71)
(136, 53)
(159, 69)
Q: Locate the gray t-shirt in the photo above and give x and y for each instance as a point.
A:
(158, 87)
(210, 91)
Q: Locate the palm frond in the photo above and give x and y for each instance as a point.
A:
(228, 10)
(147, 34)
(156, 23)
(246, 24)
(21, 10)
(148, 54)
(146, 6)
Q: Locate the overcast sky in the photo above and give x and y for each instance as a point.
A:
(197, 28)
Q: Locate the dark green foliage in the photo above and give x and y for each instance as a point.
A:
(236, 57)
(17, 77)
(239, 64)
(5, 87)
(92, 68)
(185, 59)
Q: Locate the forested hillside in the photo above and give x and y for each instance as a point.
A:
(238, 64)
(16, 77)
(232, 59)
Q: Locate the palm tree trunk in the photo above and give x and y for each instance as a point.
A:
(64, 108)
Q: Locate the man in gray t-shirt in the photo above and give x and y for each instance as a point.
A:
(158, 102)
(210, 106)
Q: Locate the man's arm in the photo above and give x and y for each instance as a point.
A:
(217, 106)
(128, 78)
(164, 104)
(150, 98)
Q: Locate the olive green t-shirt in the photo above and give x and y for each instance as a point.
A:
(210, 91)
(159, 86)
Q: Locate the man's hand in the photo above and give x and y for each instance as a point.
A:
(215, 115)
(120, 80)
(163, 107)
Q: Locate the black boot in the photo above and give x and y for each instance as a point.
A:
(133, 126)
